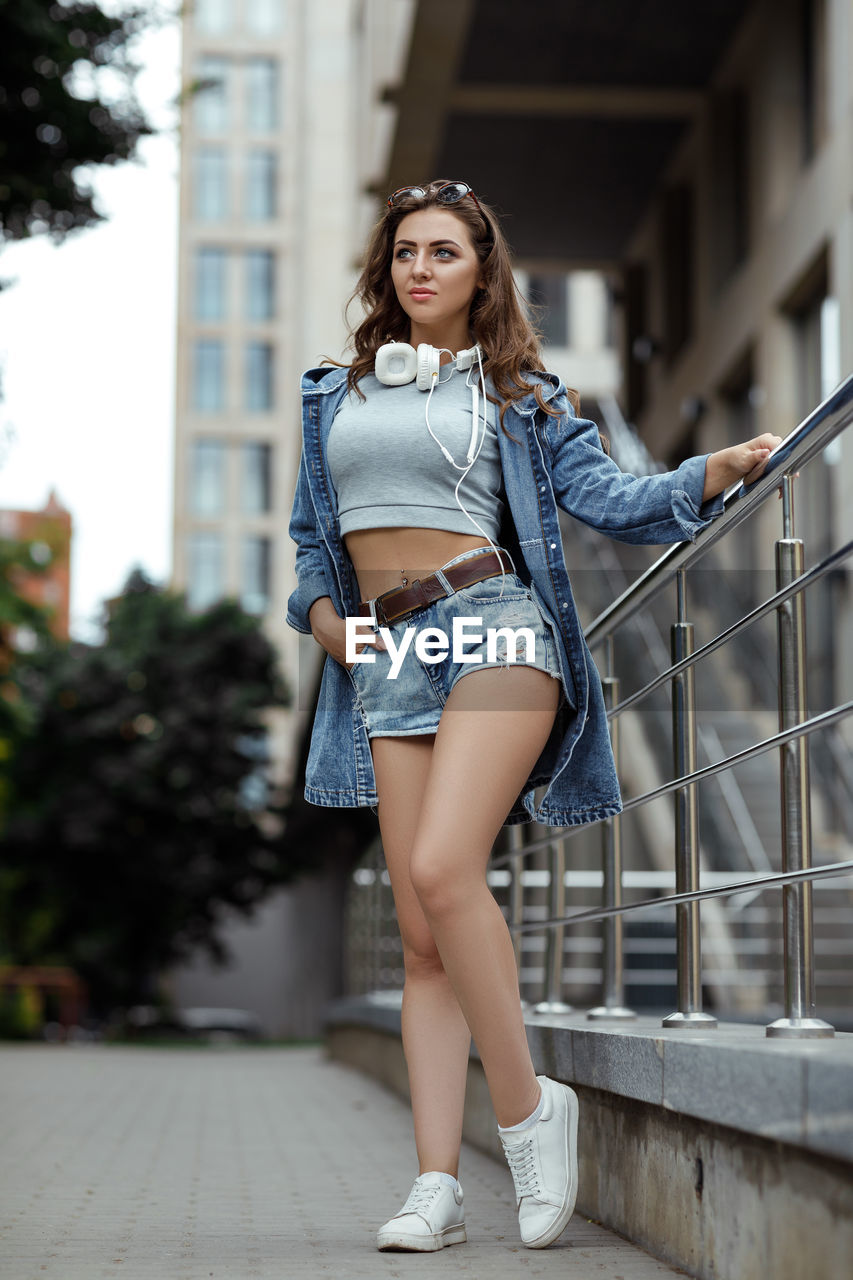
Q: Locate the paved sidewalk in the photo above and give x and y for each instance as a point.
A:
(186, 1164)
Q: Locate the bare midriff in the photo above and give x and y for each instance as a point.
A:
(382, 558)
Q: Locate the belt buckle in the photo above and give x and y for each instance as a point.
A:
(377, 612)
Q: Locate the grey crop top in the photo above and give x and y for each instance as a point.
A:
(387, 470)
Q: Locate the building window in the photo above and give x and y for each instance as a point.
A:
(260, 284)
(209, 375)
(549, 296)
(730, 169)
(257, 478)
(263, 17)
(813, 76)
(207, 477)
(676, 231)
(211, 95)
(258, 388)
(213, 16)
(255, 594)
(261, 174)
(210, 284)
(261, 95)
(211, 186)
(206, 579)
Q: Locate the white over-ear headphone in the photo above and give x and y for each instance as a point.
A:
(398, 363)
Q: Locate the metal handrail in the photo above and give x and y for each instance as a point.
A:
(827, 871)
(822, 426)
(807, 579)
(821, 721)
(814, 433)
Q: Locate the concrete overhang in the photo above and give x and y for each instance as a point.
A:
(562, 114)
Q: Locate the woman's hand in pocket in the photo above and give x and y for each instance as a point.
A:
(329, 630)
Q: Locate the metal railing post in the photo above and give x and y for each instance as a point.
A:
(516, 898)
(612, 959)
(688, 935)
(553, 1002)
(799, 1019)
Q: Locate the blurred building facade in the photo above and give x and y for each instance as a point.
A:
(678, 190)
(282, 128)
(49, 534)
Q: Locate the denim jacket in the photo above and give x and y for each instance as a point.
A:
(547, 462)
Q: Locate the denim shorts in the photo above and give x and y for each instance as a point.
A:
(406, 694)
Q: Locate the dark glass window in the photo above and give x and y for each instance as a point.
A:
(207, 477)
(257, 576)
(259, 376)
(257, 478)
(206, 558)
(549, 295)
(261, 179)
(211, 184)
(261, 95)
(208, 393)
(210, 101)
(209, 298)
(260, 284)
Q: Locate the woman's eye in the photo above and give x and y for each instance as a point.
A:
(445, 252)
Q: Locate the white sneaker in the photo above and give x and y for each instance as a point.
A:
(431, 1218)
(543, 1161)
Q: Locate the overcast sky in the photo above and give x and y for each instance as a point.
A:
(87, 357)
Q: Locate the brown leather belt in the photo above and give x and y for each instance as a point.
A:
(400, 602)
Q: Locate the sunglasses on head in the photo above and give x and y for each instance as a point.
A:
(447, 193)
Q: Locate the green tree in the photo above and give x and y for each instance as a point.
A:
(139, 807)
(58, 111)
(19, 617)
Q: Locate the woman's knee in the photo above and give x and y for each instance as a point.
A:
(436, 887)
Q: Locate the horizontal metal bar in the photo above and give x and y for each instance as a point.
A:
(823, 424)
(805, 580)
(821, 721)
(696, 895)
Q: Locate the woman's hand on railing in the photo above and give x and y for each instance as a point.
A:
(744, 462)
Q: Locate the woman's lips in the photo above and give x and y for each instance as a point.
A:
(421, 293)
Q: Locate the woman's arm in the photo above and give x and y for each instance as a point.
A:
(328, 629)
(664, 507)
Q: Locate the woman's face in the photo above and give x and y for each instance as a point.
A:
(435, 269)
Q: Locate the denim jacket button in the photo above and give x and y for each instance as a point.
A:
(553, 546)
(541, 488)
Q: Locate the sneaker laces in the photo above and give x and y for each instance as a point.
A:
(524, 1167)
(420, 1198)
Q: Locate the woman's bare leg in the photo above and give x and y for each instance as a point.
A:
(492, 730)
(436, 1039)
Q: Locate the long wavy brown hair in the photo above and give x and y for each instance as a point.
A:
(498, 320)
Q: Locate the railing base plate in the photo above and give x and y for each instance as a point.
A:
(602, 1011)
(796, 1028)
(690, 1021)
(552, 1006)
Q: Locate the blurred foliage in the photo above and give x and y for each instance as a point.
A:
(66, 99)
(138, 808)
(19, 618)
(21, 1013)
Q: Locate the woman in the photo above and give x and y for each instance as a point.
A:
(420, 503)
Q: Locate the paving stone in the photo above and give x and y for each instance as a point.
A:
(233, 1163)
